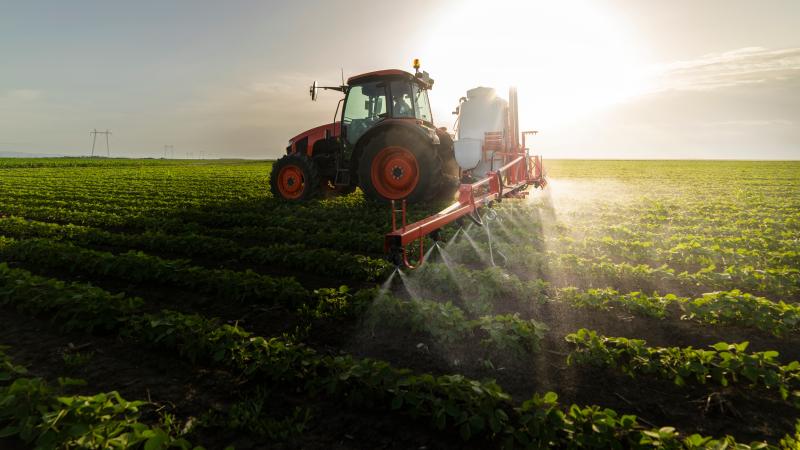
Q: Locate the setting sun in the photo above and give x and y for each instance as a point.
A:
(568, 59)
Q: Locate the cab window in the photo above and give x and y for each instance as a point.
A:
(421, 104)
(402, 103)
(366, 104)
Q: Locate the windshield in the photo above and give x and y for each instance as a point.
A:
(402, 104)
(366, 104)
(409, 100)
(423, 108)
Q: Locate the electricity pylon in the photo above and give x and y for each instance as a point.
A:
(94, 134)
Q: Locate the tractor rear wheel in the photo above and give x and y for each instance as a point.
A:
(294, 178)
(451, 172)
(398, 165)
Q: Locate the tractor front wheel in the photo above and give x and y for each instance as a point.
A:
(294, 177)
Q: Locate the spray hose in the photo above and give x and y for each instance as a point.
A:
(492, 215)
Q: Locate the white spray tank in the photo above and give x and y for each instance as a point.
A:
(482, 112)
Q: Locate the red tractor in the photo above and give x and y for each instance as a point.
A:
(385, 143)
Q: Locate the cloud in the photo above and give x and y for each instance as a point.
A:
(744, 66)
(740, 104)
(23, 95)
(752, 123)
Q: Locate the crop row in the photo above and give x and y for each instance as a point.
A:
(234, 192)
(724, 307)
(607, 299)
(696, 207)
(175, 220)
(682, 252)
(686, 254)
(447, 324)
(137, 267)
(474, 409)
(324, 261)
(772, 226)
(136, 212)
(213, 239)
(483, 291)
(47, 417)
(478, 292)
(192, 195)
(674, 237)
(8, 163)
(344, 239)
(124, 201)
(157, 186)
(566, 269)
(764, 222)
(726, 364)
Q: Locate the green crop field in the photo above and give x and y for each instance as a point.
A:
(173, 304)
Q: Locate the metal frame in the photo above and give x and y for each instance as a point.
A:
(511, 180)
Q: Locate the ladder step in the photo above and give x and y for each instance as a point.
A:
(342, 177)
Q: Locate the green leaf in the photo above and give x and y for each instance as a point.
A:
(397, 402)
(720, 346)
(465, 431)
(495, 425)
(440, 420)
(77, 430)
(771, 354)
(499, 413)
(627, 421)
(477, 423)
(158, 441)
(452, 409)
(9, 431)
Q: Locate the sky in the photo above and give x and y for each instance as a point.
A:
(629, 79)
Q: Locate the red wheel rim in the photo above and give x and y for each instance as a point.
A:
(290, 182)
(394, 173)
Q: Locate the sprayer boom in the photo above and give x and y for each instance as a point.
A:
(511, 180)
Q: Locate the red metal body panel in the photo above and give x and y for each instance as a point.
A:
(317, 133)
(379, 73)
(386, 73)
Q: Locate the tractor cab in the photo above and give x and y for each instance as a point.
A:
(387, 94)
(385, 142)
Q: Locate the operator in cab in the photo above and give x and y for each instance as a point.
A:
(401, 98)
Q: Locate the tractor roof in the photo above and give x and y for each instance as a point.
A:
(384, 74)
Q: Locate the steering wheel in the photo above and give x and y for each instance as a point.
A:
(401, 108)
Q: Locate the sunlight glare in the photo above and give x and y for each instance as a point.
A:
(567, 58)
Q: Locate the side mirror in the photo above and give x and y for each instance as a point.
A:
(313, 91)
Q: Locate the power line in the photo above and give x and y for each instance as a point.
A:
(94, 134)
(171, 149)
